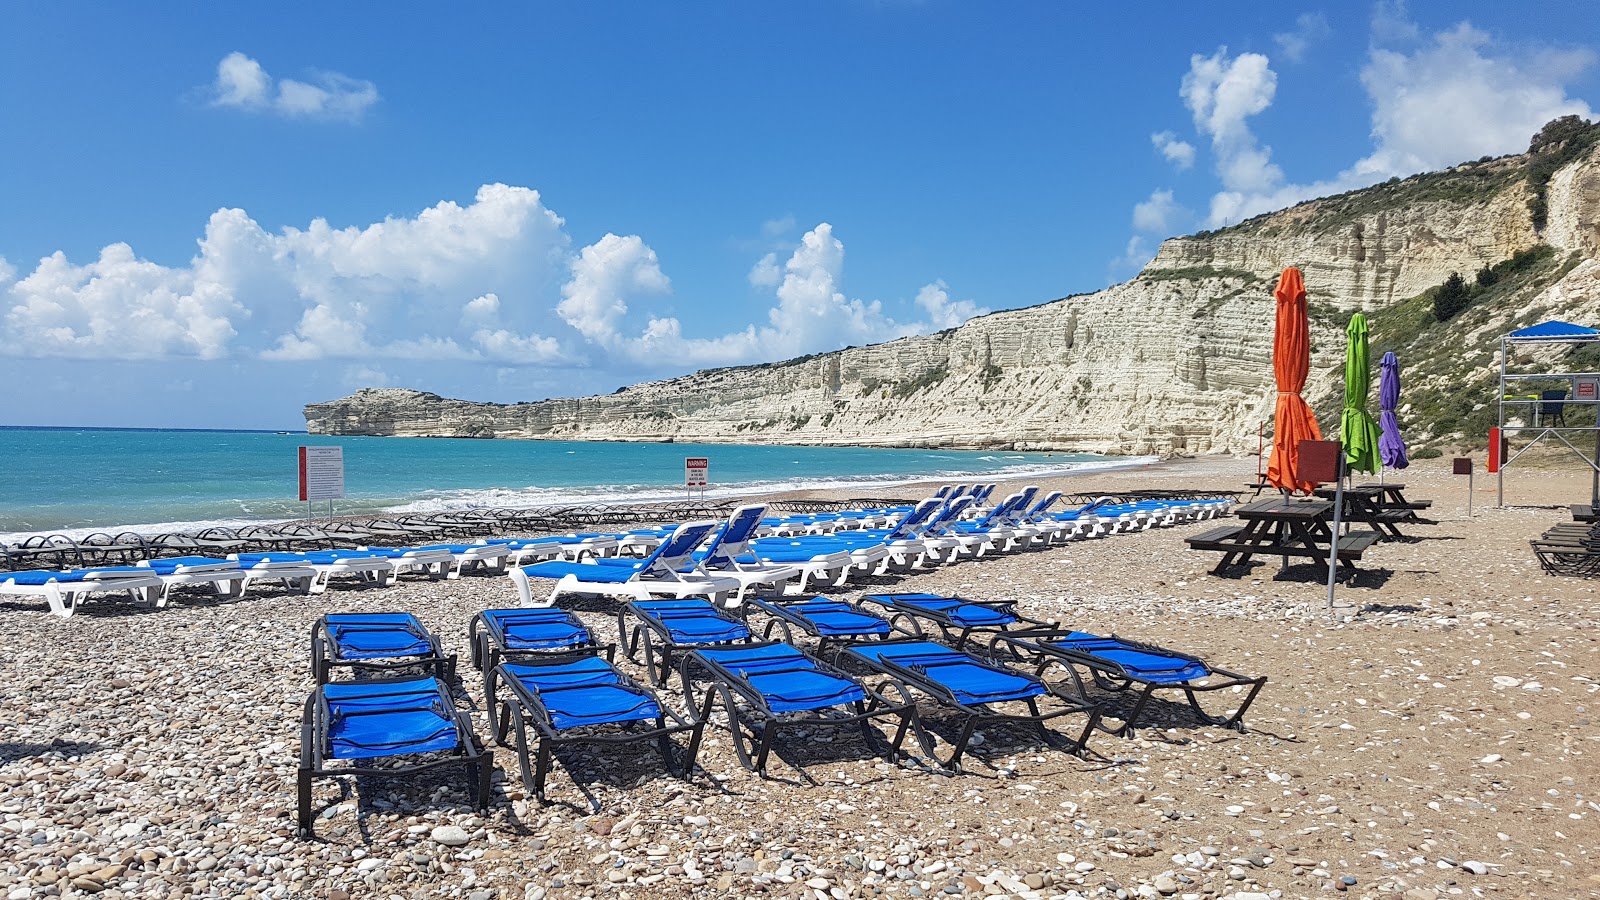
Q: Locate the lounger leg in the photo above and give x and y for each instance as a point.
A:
(542, 771)
(485, 767)
(967, 728)
(303, 819)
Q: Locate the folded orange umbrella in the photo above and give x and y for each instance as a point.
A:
(1291, 360)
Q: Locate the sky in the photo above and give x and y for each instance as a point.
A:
(213, 214)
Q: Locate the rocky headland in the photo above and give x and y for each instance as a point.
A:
(1175, 361)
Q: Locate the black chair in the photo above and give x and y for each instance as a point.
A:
(1551, 408)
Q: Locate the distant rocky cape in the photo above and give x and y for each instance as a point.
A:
(1175, 361)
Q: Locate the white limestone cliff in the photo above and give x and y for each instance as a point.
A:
(1178, 360)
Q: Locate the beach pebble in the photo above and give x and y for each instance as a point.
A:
(450, 836)
(1475, 867)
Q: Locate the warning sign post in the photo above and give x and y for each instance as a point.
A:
(321, 476)
(694, 474)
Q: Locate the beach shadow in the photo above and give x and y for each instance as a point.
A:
(11, 751)
(1317, 573)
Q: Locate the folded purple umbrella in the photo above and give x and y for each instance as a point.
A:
(1391, 448)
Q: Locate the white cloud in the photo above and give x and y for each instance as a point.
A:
(1135, 256)
(1178, 152)
(1223, 94)
(943, 312)
(603, 276)
(357, 377)
(1159, 214)
(1459, 98)
(765, 273)
(118, 307)
(1309, 29)
(489, 282)
(481, 309)
(242, 83)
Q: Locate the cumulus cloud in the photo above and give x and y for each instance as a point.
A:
(604, 276)
(1455, 96)
(765, 273)
(1460, 97)
(1309, 29)
(1178, 152)
(1159, 214)
(943, 312)
(493, 281)
(118, 306)
(242, 83)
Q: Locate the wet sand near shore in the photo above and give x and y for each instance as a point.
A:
(1434, 737)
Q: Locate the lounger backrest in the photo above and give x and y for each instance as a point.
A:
(732, 539)
(949, 514)
(677, 551)
(915, 520)
(1040, 508)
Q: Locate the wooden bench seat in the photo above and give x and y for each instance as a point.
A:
(1215, 538)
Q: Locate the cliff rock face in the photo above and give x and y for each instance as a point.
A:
(1178, 360)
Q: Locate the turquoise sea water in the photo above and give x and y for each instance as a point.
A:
(70, 479)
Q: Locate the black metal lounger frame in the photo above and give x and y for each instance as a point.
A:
(487, 654)
(654, 637)
(323, 664)
(472, 756)
(1113, 678)
(528, 707)
(783, 619)
(906, 621)
(753, 748)
(978, 714)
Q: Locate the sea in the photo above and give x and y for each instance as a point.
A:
(80, 480)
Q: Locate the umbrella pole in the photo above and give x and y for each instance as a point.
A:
(1333, 545)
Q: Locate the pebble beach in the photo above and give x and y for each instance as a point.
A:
(1431, 736)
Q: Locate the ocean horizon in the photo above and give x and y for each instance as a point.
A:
(78, 480)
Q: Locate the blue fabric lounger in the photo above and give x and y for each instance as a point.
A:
(956, 618)
(374, 642)
(1119, 665)
(576, 698)
(981, 693)
(662, 628)
(352, 722)
(831, 622)
(765, 687)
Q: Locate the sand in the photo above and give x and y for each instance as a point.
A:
(1433, 737)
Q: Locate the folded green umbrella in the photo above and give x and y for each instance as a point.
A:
(1357, 432)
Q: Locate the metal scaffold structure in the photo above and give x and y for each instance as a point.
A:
(1544, 414)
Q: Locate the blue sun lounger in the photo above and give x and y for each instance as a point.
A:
(497, 634)
(374, 642)
(356, 721)
(829, 621)
(981, 692)
(1117, 665)
(665, 627)
(65, 590)
(575, 698)
(766, 687)
(956, 618)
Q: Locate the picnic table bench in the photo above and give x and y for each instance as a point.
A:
(1584, 512)
(1282, 528)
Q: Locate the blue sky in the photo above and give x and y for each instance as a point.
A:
(216, 213)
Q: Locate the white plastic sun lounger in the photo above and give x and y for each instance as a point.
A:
(662, 572)
(65, 590)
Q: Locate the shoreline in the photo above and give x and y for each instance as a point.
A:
(842, 489)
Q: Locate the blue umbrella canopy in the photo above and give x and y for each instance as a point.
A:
(1391, 446)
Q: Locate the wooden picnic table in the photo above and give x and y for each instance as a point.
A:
(1281, 527)
(1367, 504)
